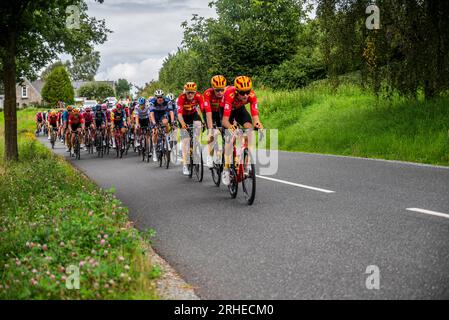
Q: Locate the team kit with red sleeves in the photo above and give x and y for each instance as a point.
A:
(219, 108)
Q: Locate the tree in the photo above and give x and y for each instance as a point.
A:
(96, 91)
(58, 87)
(32, 33)
(409, 54)
(123, 87)
(85, 67)
(51, 67)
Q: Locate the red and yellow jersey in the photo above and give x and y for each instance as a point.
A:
(231, 102)
(75, 118)
(210, 99)
(188, 107)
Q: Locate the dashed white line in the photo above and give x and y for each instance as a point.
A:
(296, 184)
(433, 213)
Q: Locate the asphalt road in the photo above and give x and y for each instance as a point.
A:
(295, 242)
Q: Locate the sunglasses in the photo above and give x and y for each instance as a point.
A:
(219, 90)
(244, 93)
(190, 92)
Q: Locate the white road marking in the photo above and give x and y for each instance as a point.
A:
(433, 213)
(296, 184)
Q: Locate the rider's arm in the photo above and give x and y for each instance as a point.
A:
(180, 111)
(254, 110)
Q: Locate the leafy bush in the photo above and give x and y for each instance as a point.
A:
(58, 87)
(96, 91)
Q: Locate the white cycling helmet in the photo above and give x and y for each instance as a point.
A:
(171, 96)
(158, 93)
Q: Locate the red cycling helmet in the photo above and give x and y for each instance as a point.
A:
(119, 106)
(104, 106)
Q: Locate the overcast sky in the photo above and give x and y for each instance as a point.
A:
(144, 32)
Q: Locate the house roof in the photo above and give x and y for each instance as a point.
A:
(38, 85)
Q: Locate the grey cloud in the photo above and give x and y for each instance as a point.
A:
(143, 30)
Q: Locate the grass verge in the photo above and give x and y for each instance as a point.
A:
(353, 122)
(52, 218)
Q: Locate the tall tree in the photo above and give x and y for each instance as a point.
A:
(96, 90)
(85, 67)
(58, 87)
(34, 32)
(53, 66)
(122, 88)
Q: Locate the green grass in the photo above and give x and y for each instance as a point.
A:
(52, 217)
(353, 122)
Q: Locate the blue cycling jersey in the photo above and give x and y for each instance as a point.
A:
(167, 105)
(65, 116)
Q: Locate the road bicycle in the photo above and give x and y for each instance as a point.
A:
(145, 144)
(89, 140)
(99, 142)
(218, 158)
(196, 165)
(120, 142)
(162, 146)
(242, 168)
(77, 145)
(53, 136)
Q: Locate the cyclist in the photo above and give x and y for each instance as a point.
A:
(160, 109)
(45, 115)
(214, 97)
(99, 120)
(107, 112)
(65, 121)
(118, 120)
(142, 118)
(76, 123)
(235, 99)
(39, 122)
(188, 115)
(88, 120)
(60, 125)
(52, 121)
(174, 124)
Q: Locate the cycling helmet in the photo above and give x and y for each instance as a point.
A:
(190, 86)
(98, 107)
(69, 108)
(76, 110)
(119, 106)
(104, 106)
(141, 100)
(159, 93)
(171, 96)
(53, 113)
(218, 82)
(243, 83)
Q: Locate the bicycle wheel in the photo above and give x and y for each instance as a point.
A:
(191, 161)
(174, 152)
(199, 167)
(160, 151)
(167, 155)
(233, 186)
(216, 173)
(249, 178)
(77, 148)
(52, 139)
